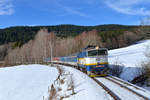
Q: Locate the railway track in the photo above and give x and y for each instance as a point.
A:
(120, 83)
(128, 84)
(112, 94)
(117, 81)
(122, 90)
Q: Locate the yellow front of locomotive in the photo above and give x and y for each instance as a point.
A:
(96, 62)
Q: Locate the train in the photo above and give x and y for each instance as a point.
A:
(93, 60)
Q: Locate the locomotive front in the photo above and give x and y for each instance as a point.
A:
(95, 61)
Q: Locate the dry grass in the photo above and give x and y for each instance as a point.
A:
(62, 81)
(62, 78)
(52, 93)
(71, 85)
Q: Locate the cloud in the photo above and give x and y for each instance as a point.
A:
(70, 10)
(145, 21)
(6, 7)
(73, 11)
(130, 7)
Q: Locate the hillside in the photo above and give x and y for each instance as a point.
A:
(22, 34)
(67, 39)
(132, 59)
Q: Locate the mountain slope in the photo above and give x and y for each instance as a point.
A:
(22, 34)
(131, 58)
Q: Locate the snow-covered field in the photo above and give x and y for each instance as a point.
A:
(26, 82)
(131, 57)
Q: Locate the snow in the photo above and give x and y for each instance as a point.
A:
(123, 93)
(26, 82)
(86, 88)
(130, 57)
(139, 90)
(33, 82)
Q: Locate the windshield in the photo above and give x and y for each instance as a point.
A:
(97, 52)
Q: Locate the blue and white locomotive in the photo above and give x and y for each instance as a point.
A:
(94, 60)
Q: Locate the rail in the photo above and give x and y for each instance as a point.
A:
(129, 84)
(112, 94)
(138, 94)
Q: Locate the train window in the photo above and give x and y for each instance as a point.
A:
(102, 52)
(97, 52)
(92, 53)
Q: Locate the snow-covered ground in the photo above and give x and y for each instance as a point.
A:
(26, 82)
(131, 57)
(86, 88)
(31, 82)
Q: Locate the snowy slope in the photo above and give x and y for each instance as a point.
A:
(26, 82)
(131, 57)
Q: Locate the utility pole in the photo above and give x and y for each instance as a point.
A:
(51, 47)
(51, 43)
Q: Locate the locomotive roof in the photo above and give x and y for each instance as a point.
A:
(93, 47)
(97, 49)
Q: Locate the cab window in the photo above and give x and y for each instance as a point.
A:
(97, 52)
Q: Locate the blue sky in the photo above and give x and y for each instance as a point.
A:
(78, 12)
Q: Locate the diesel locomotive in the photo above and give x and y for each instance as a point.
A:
(93, 60)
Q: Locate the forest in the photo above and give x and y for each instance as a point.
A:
(22, 34)
(34, 44)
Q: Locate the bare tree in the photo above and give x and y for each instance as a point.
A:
(116, 68)
(34, 50)
(12, 57)
(39, 45)
(51, 43)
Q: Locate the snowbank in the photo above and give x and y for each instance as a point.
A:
(26, 82)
